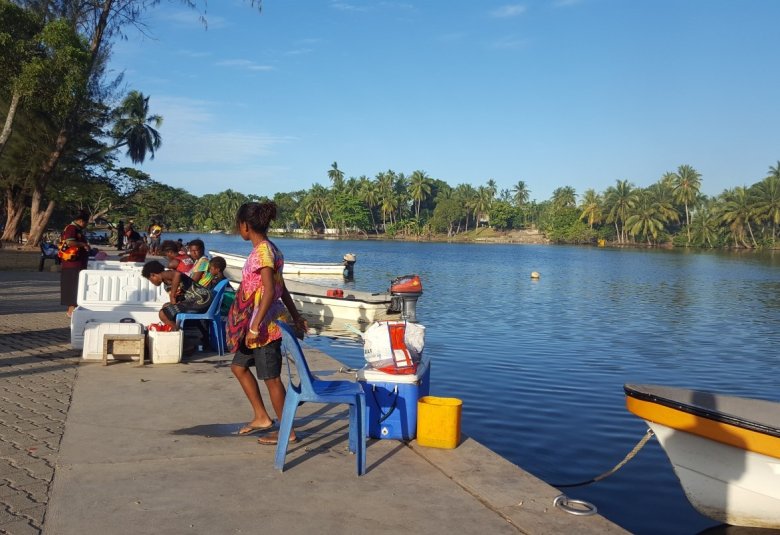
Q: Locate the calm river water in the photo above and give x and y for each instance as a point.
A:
(540, 365)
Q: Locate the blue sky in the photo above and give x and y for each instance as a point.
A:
(555, 93)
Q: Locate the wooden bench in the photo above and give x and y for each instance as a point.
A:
(125, 345)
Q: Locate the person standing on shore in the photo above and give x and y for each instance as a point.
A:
(74, 255)
(155, 234)
(252, 333)
(120, 235)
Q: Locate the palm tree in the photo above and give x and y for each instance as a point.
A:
(662, 193)
(687, 183)
(521, 193)
(492, 187)
(767, 202)
(419, 188)
(135, 128)
(306, 212)
(645, 220)
(389, 204)
(737, 211)
(385, 191)
(620, 199)
(592, 210)
(352, 186)
(705, 225)
(318, 197)
(466, 195)
(336, 176)
(368, 194)
(482, 204)
(564, 197)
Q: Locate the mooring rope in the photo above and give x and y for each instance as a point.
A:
(617, 467)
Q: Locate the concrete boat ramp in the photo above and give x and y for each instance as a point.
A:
(121, 449)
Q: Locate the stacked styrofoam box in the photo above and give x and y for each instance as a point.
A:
(93, 337)
(165, 347)
(112, 295)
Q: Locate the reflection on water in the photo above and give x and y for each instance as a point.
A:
(540, 365)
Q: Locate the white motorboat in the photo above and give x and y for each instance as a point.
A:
(296, 269)
(725, 450)
(325, 305)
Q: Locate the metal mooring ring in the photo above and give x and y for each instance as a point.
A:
(582, 508)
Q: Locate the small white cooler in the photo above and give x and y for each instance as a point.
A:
(93, 337)
(165, 347)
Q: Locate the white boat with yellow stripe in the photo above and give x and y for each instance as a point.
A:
(725, 450)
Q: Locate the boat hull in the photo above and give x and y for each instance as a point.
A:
(290, 268)
(726, 483)
(312, 301)
(725, 450)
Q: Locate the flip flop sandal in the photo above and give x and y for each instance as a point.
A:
(250, 429)
(273, 441)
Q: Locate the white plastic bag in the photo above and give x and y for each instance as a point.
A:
(377, 344)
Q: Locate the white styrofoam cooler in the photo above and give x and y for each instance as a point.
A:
(165, 347)
(93, 337)
(110, 295)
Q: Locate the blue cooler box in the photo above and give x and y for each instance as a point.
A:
(392, 400)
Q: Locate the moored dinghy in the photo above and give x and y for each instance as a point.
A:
(725, 450)
(324, 304)
(344, 268)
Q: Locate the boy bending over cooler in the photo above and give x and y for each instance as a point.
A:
(185, 294)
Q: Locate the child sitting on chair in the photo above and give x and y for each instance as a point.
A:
(213, 276)
(185, 295)
(214, 273)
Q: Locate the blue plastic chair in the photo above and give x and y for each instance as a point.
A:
(217, 326)
(311, 389)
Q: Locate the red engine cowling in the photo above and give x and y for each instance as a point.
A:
(406, 284)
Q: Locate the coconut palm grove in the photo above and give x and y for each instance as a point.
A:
(66, 121)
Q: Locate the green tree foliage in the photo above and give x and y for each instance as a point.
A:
(503, 215)
(562, 224)
(135, 128)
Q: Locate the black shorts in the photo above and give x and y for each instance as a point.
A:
(267, 359)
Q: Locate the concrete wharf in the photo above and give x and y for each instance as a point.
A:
(121, 449)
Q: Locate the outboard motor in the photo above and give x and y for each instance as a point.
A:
(349, 266)
(406, 290)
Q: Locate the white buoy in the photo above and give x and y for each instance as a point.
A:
(535, 275)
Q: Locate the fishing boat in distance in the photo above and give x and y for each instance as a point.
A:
(326, 305)
(725, 450)
(344, 268)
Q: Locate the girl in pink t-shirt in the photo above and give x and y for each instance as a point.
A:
(251, 329)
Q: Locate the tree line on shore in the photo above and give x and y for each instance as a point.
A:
(671, 211)
(64, 115)
(65, 119)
